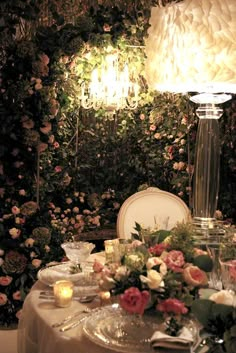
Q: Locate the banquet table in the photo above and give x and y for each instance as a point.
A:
(37, 335)
(35, 331)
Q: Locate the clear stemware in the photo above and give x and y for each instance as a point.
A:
(78, 251)
(227, 261)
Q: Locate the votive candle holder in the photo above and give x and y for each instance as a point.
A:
(63, 293)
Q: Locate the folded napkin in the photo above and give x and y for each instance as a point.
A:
(164, 343)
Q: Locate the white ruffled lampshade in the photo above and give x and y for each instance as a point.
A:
(191, 47)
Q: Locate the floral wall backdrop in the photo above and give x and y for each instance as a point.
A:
(64, 170)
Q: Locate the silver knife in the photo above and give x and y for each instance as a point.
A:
(70, 317)
(73, 324)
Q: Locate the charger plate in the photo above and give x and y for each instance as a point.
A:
(112, 328)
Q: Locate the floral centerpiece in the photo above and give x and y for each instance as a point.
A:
(163, 274)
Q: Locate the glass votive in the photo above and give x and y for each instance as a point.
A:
(227, 261)
(112, 251)
(124, 246)
(228, 274)
(63, 293)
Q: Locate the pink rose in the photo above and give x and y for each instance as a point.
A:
(16, 295)
(3, 299)
(36, 263)
(134, 301)
(158, 249)
(15, 210)
(194, 276)
(58, 169)
(175, 260)
(5, 280)
(97, 266)
(172, 305)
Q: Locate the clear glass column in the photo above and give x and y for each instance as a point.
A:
(207, 166)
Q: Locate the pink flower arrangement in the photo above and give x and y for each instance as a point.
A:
(161, 276)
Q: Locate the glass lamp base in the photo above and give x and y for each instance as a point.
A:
(207, 231)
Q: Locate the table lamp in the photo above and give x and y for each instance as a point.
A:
(191, 48)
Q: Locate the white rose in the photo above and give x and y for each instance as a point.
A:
(153, 279)
(155, 261)
(223, 297)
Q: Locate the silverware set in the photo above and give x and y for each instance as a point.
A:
(74, 320)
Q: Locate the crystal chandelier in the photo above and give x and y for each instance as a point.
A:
(191, 48)
(110, 88)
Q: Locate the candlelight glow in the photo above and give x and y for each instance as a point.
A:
(63, 293)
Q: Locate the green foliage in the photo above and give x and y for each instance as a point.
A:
(182, 238)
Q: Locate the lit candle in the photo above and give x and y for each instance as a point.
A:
(112, 252)
(63, 292)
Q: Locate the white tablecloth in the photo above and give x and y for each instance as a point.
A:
(35, 332)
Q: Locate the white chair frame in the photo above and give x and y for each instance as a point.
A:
(151, 208)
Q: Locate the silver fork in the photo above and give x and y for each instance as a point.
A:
(70, 317)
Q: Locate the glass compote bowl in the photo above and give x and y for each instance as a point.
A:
(78, 251)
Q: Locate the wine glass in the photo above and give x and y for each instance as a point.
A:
(78, 251)
(228, 266)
